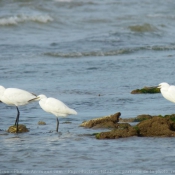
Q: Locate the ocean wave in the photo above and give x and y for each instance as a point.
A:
(14, 20)
(85, 54)
(109, 53)
(167, 16)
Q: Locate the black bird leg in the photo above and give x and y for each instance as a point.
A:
(57, 125)
(17, 119)
(16, 116)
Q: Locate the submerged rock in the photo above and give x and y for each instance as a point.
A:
(67, 122)
(146, 90)
(143, 28)
(103, 122)
(41, 123)
(21, 129)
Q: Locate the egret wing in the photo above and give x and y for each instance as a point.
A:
(56, 107)
(18, 96)
(171, 92)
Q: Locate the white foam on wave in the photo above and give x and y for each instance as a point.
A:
(14, 20)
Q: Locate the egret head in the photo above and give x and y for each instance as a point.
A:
(163, 85)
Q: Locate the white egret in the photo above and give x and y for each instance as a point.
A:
(167, 91)
(55, 107)
(16, 97)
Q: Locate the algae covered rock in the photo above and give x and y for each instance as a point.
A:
(172, 117)
(103, 122)
(21, 129)
(150, 126)
(142, 117)
(146, 90)
(157, 126)
(126, 131)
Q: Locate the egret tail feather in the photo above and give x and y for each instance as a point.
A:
(72, 111)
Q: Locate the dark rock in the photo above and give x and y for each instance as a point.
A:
(21, 129)
(150, 126)
(146, 90)
(103, 122)
(157, 126)
(123, 125)
(127, 131)
(108, 124)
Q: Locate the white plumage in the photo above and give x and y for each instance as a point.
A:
(167, 91)
(55, 107)
(16, 97)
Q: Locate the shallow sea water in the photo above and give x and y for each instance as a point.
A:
(75, 50)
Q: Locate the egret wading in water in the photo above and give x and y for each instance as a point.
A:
(167, 91)
(55, 107)
(16, 97)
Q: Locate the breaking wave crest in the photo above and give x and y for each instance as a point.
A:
(14, 20)
(108, 53)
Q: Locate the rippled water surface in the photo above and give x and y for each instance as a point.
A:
(90, 55)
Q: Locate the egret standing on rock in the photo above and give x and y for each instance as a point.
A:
(167, 91)
(55, 107)
(16, 97)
